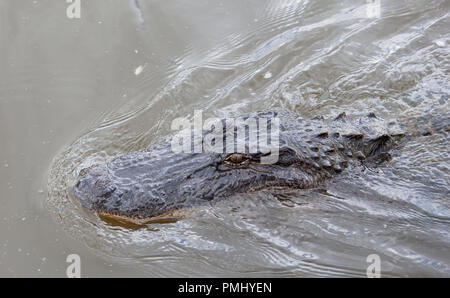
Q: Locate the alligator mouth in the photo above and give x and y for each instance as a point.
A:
(168, 217)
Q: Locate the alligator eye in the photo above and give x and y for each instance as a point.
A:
(236, 159)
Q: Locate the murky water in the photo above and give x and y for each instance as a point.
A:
(77, 92)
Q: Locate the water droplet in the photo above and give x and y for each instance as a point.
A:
(440, 43)
(139, 69)
(268, 75)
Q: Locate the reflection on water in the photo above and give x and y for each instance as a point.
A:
(147, 63)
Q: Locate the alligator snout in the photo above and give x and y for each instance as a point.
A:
(117, 189)
(94, 187)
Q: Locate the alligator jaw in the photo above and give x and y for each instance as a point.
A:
(169, 217)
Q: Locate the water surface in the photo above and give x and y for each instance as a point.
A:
(78, 92)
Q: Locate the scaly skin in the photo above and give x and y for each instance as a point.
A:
(151, 183)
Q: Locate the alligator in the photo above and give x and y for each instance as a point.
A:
(157, 182)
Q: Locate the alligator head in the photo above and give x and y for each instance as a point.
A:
(150, 183)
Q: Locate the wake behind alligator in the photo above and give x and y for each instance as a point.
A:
(157, 182)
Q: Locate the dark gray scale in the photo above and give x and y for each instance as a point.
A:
(314, 155)
(337, 168)
(360, 155)
(326, 163)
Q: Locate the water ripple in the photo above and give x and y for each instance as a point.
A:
(313, 59)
